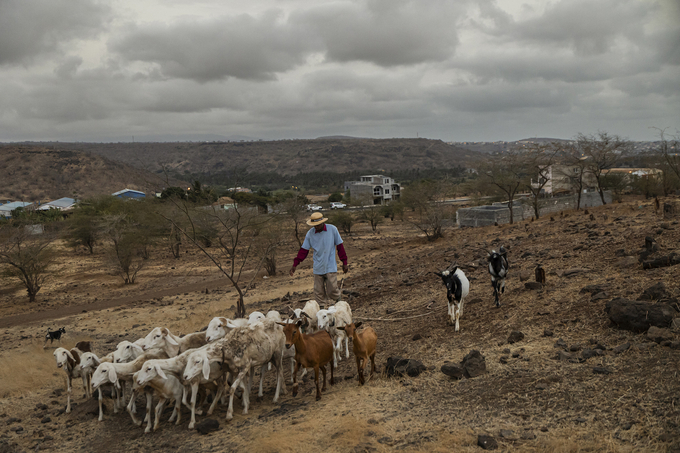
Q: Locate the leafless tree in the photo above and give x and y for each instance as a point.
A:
(424, 198)
(669, 149)
(508, 173)
(538, 161)
(127, 252)
(26, 256)
(603, 152)
(296, 210)
(232, 239)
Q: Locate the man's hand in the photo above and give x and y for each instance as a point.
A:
(292, 271)
(345, 269)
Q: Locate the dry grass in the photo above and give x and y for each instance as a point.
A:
(25, 369)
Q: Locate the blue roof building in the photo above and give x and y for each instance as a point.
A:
(6, 209)
(129, 193)
(62, 204)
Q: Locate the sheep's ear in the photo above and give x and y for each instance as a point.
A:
(299, 322)
(357, 325)
(113, 377)
(160, 372)
(223, 320)
(230, 324)
(138, 348)
(171, 340)
(206, 369)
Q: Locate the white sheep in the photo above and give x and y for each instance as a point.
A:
(338, 315)
(115, 373)
(308, 315)
(89, 363)
(172, 345)
(69, 361)
(127, 351)
(165, 387)
(200, 370)
(220, 326)
(245, 349)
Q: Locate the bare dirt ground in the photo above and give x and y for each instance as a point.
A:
(528, 400)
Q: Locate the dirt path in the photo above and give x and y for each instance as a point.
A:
(61, 312)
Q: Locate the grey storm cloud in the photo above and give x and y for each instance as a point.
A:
(31, 28)
(241, 46)
(386, 33)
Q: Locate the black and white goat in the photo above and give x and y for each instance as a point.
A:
(52, 335)
(457, 289)
(498, 268)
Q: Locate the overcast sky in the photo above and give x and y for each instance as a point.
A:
(88, 70)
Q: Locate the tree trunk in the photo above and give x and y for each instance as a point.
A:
(601, 192)
(578, 200)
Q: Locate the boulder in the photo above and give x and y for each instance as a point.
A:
(398, 366)
(621, 348)
(525, 275)
(515, 336)
(487, 442)
(474, 364)
(453, 370)
(655, 292)
(208, 425)
(533, 286)
(658, 335)
(638, 316)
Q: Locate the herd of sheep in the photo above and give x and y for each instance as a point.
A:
(221, 359)
(229, 351)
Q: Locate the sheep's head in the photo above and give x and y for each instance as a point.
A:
(104, 374)
(62, 356)
(89, 360)
(197, 363)
(127, 352)
(216, 329)
(150, 370)
(159, 336)
(325, 318)
(255, 317)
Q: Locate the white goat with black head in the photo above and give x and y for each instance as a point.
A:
(498, 268)
(457, 289)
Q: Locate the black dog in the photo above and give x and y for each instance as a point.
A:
(54, 335)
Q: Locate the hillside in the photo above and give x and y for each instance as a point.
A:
(33, 173)
(568, 380)
(285, 157)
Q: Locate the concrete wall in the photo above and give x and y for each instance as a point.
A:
(499, 212)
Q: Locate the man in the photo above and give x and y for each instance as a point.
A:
(323, 239)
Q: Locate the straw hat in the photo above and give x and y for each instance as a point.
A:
(316, 219)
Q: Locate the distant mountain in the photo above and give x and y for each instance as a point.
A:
(285, 157)
(169, 138)
(339, 137)
(42, 173)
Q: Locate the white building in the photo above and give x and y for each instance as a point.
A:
(378, 189)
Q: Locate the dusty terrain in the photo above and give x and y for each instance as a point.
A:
(528, 400)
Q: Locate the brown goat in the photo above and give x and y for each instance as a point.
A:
(363, 344)
(311, 351)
